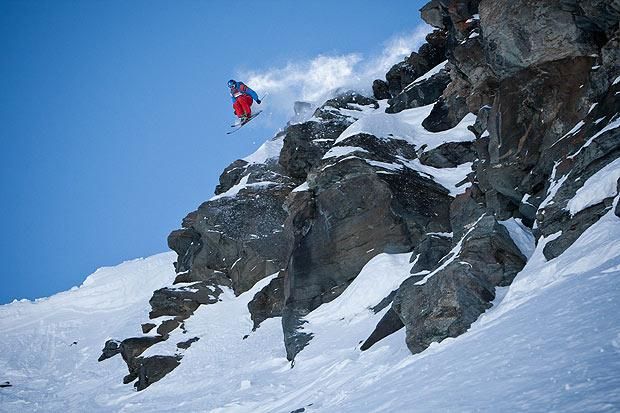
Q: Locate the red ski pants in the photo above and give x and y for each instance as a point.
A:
(243, 105)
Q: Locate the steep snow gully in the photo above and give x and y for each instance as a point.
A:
(477, 270)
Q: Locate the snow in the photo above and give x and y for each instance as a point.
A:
(521, 235)
(365, 291)
(268, 150)
(428, 74)
(385, 165)
(446, 177)
(243, 184)
(613, 124)
(47, 372)
(551, 342)
(601, 185)
(302, 187)
(592, 107)
(555, 186)
(407, 125)
(452, 255)
(338, 151)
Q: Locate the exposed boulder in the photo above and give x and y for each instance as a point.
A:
(449, 14)
(420, 93)
(268, 302)
(130, 349)
(448, 155)
(182, 302)
(184, 345)
(428, 253)
(446, 114)
(231, 176)
(306, 143)
(389, 324)
(434, 50)
(146, 327)
(449, 299)
(402, 74)
(110, 349)
(153, 369)
(380, 89)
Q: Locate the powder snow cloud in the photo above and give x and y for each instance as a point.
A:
(317, 79)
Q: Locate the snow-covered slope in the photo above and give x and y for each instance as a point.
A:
(49, 347)
(550, 343)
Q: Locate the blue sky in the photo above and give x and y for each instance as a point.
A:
(113, 114)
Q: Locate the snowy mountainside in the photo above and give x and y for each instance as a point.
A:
(550, 343)
(450, 243)
(49, 347)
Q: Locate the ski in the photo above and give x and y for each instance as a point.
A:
(238, 126)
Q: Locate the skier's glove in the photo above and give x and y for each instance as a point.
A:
(258, 101)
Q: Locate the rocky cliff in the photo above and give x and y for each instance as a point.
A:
(507, 115)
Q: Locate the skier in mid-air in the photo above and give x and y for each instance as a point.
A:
(242, 97)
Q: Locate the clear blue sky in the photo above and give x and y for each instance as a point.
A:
(113, 116)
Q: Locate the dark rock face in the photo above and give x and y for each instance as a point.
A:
(448, 155)
(110, 349)
(380, 90)
(402, 74)
(240, 236)
(520, 34)
(306, 143)
(429, 252)
(420, 93)
(153, 369)
(446, 114)
(454, 295)
(268, 302)
(389, 324)
(187, 343)
(577, 167)
(338, 228)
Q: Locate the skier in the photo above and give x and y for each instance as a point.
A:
(242, 97)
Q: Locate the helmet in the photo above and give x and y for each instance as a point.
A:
(232, 83)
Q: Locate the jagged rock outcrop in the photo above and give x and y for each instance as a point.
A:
(268, 302)
(307, 142)
(532, 94)
(420, 93)
(402, 74)
(542, 79)
(449, 299)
